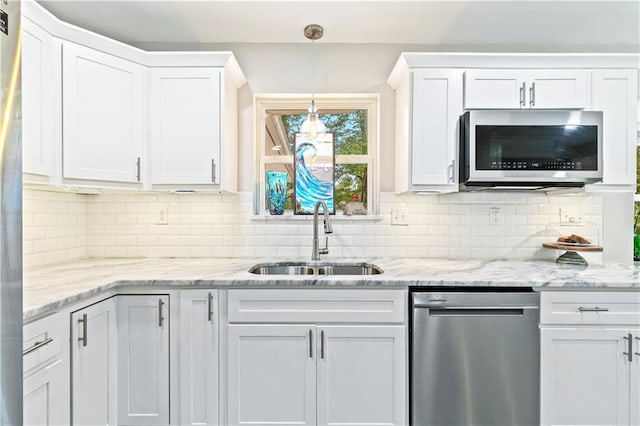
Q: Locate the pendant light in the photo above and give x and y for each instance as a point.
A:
(312, 126)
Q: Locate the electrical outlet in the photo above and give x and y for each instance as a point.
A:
(570, 214)
(495, 218)
(399, 217)
(163, 216)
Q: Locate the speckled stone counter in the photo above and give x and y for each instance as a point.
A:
(51, 288)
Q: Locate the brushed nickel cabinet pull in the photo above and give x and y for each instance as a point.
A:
(532, 94)
(138, 169)
(594, 309)
(213, 170)
(37, 345)
(210, 307)
(310, 343)
(452, 168)
(160, 317)
(522, 89)
(83, 338)
(322, 344)
(629, 339)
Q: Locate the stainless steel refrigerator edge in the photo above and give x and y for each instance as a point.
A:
(10, 217)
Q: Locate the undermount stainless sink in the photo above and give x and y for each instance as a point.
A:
(315, 268)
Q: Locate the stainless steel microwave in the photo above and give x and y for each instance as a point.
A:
(530, 148)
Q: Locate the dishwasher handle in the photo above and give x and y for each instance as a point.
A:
(475, 311)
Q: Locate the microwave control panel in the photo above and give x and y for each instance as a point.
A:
(535, 165)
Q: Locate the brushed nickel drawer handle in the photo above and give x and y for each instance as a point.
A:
(595, 309)
(37, 346)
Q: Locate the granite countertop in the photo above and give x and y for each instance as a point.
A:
(51, 288)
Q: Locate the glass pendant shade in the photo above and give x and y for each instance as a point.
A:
(313, 126)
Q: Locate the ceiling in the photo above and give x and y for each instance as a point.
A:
(592, 25)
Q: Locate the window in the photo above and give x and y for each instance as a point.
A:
(636, 211)
(353, 120)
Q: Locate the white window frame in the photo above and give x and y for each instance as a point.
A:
(265, 102)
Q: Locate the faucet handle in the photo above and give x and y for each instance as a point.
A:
(325, 249)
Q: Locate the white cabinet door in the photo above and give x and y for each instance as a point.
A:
(513, 89)
(437, 105)
(143, 359)
(494, 89)
(566, 89)
(45, 363)
(634, 388)
(102, 116)
(361, 375)
(185, 126)
(271, 375)
(584, 377)
(615, 93)
(199, 357)
(93, 364)
(44, 400)
(37, 99)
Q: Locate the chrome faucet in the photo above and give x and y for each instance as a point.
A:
(315, 254)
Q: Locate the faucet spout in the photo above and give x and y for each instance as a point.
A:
(328, 229)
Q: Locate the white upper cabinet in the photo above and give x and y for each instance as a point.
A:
(538, 89)
(193, 125)
(614, 92)
(185, 126)
(102, 99)
(437, 105)
(428, 105)
(38, 81)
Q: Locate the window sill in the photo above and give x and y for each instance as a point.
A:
(289, 217)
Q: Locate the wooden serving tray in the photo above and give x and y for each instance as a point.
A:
(571, 247)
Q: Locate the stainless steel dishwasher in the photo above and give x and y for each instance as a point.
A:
(475, 357)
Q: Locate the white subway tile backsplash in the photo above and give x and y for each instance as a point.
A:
(63, 226)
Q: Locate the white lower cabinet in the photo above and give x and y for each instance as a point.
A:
(271, 374)
(143, 360)
(94, 364)
(361, 375)
(199, 320)
(590, 358)
(46, 372)
(586, 377)
(320, 372)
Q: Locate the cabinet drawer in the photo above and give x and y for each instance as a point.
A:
(273, 306)
(576, 307)
(42, 342)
